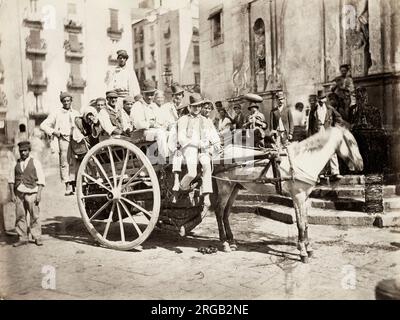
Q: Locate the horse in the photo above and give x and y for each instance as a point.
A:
(299, 172)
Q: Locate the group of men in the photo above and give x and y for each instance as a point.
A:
(182, 133)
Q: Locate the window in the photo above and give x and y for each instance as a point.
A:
(142, 74)
(196, 57)
(141, 54)
(152, 34)
(71, 7)
(168, 55)
(34, 38)
(197, 78)
(216, 27)
(74, 43)
(136, 55)
(37, 69)
(114, 20)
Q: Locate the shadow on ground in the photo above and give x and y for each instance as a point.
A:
(73, 229)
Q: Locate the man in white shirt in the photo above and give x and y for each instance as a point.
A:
(58, 125)
(112, 118)
(197, 137)
(122, 80)
(145, 116)
(171, 108)
(26, 181)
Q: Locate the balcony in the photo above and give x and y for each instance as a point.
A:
(72, 25)
(115, 34)
(76, 83)
(73, 51)
(33, 49)
(33, 20)
(37, 85)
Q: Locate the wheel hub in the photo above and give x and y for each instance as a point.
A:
(115, 194)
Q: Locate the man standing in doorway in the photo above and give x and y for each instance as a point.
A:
(281, 121)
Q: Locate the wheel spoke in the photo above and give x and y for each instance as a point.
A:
(100, 210)
(100, 195)
(137, 207)
(109, 221)
(95, 181)
(132, 178)
(112, 164)
(137, 191)
(101, 168)
(121, 224)
(132, 219)
(123, 169)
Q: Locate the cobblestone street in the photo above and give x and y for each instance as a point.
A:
(347, 264)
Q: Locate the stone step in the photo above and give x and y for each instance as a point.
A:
(340, 191)
(348, 204)
(346, 180)
(322, 217)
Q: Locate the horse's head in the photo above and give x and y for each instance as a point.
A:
(349, 152)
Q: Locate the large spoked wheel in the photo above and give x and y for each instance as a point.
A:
(118, 194)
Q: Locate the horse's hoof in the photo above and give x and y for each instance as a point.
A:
(304, 259)
(310, 253)
(227, 247)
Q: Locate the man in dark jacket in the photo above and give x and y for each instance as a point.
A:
(321, 118)
(281, 121)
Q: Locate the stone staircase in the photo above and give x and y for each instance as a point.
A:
(340, 203)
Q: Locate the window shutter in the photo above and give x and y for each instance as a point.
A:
(114, 19)
(37, 69)
(34, 38)
(74, 43)
(75, 71)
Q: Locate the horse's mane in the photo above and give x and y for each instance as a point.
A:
(312, 143)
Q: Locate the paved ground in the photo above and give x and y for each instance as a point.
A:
(348, 262)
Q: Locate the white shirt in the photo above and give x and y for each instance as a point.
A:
(298, 118)
(23, 164)
(224, 125)
(193, 130)
(142, 116)
(170, 112)
(61, 120)
(123, 80)
(321, 113)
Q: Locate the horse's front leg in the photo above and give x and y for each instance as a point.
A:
(299, 202)
(227, 212)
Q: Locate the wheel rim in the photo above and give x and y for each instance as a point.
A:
(118, 194)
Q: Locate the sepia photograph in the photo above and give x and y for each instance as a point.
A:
(212, 151)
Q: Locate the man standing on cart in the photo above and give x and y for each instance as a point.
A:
(122, 79)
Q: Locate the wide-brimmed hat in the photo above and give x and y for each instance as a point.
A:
(176, 89)
(24, 145)
(252, 97)
(64, 95)
(148, 86)
(92, 102)
(111, 94)
(122, 53)
(321, 94)
(280, 95)
(208, 101)
(195, 100)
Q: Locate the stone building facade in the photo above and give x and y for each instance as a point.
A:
(265, 45)
(50, 46)
(168, 37)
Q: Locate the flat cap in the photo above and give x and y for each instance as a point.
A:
(111, 94)
(129, 99)
(24, 145)
(122, 53)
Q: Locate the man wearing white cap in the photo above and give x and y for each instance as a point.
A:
(59, 125)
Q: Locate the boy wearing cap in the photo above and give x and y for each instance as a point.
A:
(321, 118)
(26, 181)
(239, 119)
(170, 109)
(122, 80)
(59, 125)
